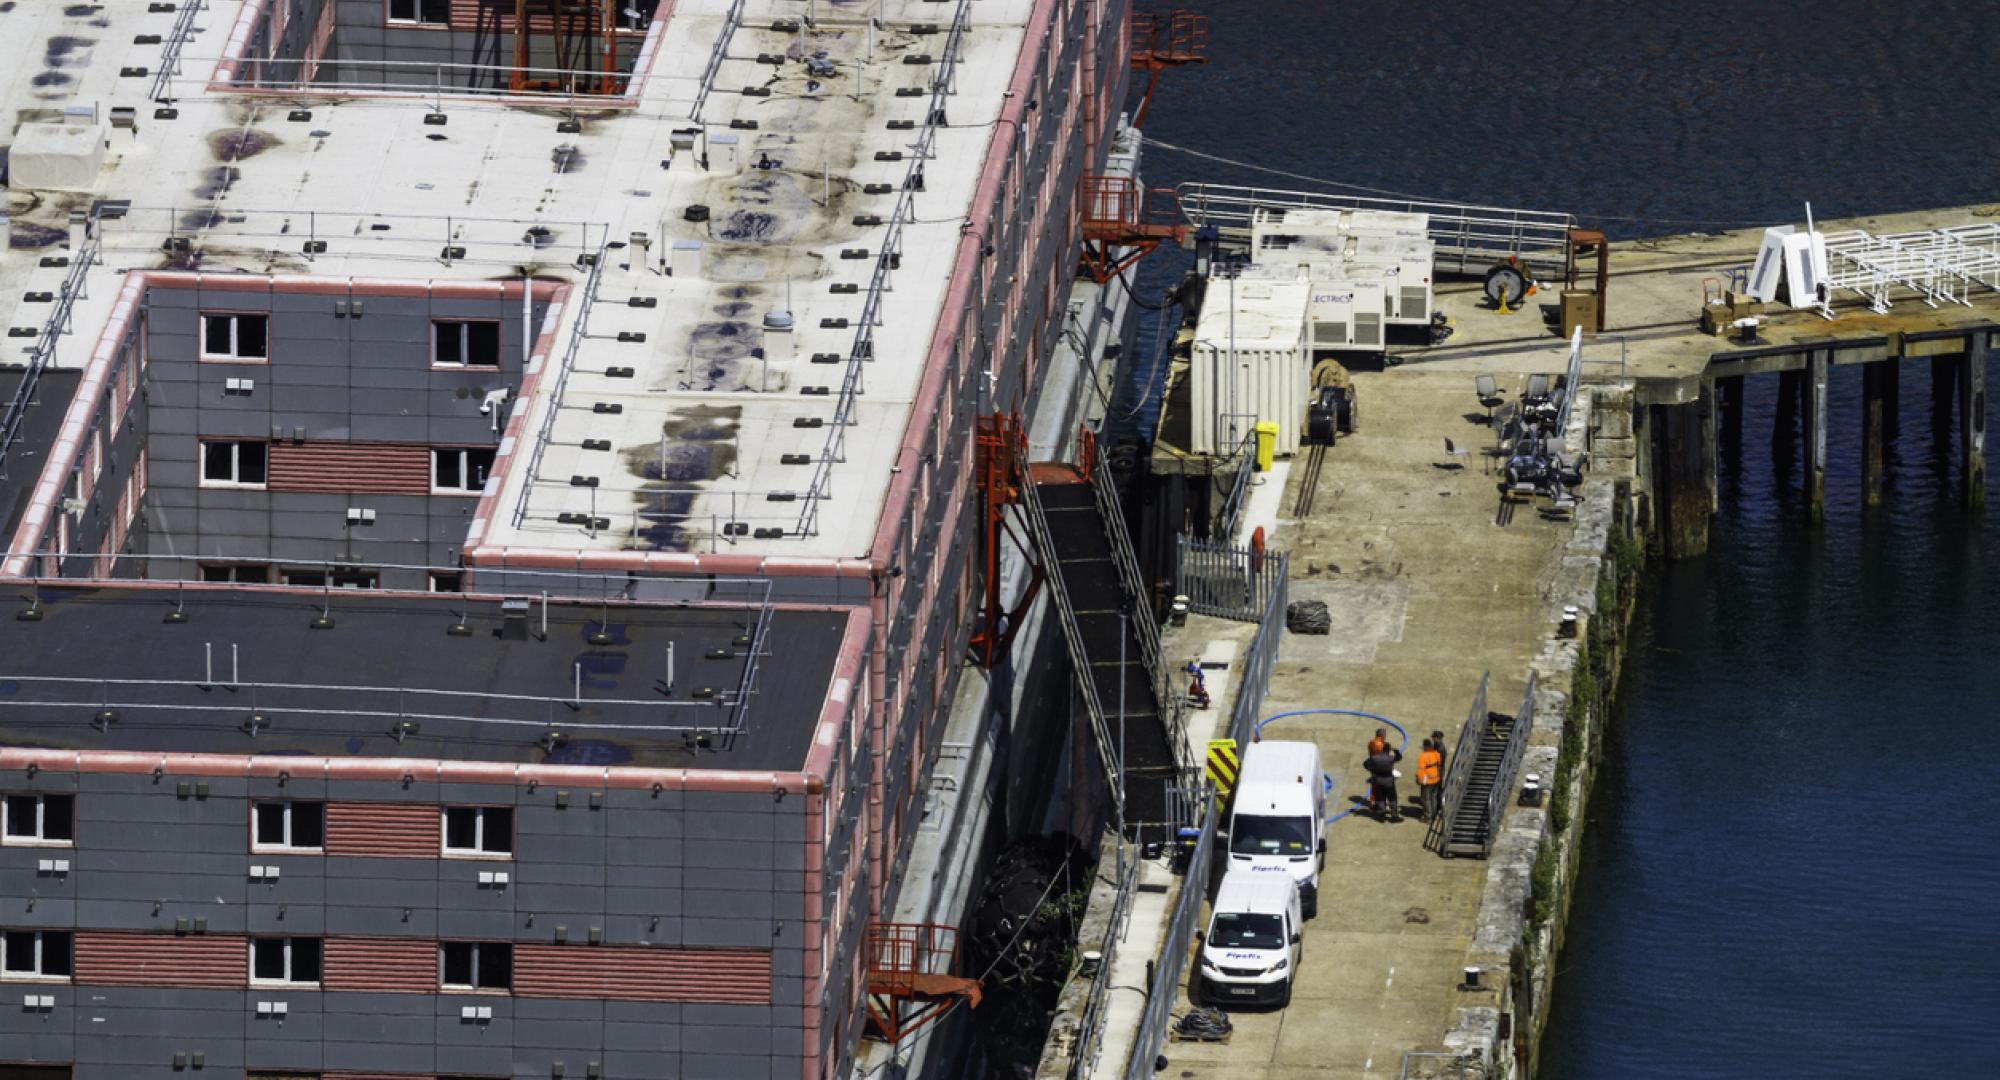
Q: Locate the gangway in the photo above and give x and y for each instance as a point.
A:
(1467, 238)
(1076, 539)
(1480, 777)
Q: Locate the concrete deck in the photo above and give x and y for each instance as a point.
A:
(1426, 592)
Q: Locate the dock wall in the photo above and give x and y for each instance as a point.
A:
(1537, 857)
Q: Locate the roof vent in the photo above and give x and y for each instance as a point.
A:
(778, 320)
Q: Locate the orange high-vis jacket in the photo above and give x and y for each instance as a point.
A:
(1376, 745)
(1427, 767)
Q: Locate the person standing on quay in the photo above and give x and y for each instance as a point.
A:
(1430, 778)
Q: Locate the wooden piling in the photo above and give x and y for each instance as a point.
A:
(1682, 469)
(1972, 419)
(1791, 388)
(1874, 411)
(1819, 365)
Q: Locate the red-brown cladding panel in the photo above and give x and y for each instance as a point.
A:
(139, 958)
(397, 830)
(375, 468)
(393, 965)
(643, 973)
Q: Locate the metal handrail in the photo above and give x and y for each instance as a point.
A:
(170, 49)
(1510, 762)
(1089, 1022)
(500, 76)
(1079, 657)
(731, 19)
(45, 348)
(863, 350)
(1106, 495)
(1239, 488)
(1460, 772)
(577, 332)
(1472, 234)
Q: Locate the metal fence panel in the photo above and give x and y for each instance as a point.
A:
(1263, 654)
(1226, 581)
(1164, 994)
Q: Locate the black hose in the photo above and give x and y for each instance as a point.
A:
(1203, 1022)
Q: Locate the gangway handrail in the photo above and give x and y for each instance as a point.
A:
(1510, 762)
(1460, 772)
(1467, 234)
(1079, 657)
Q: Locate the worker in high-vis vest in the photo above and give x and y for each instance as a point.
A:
(1430, 778)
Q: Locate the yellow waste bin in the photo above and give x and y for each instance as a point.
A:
(1267, 445)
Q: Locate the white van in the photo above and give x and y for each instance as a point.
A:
(1251, 950)
(1277, 823)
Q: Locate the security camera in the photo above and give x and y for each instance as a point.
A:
(493, 399)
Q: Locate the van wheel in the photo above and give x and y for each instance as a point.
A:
(1309, 907)
(1285, 998)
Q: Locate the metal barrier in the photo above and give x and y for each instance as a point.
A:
(1164, 994)
(1510, 762)
(1239, 488)
(170, 50)
(1460, 772)
(1468, 238)
(578, 330)
(1090, 1024)
(45, 349)
(1257, 663)
(731, 19)
(1224, 580)
(890, 253)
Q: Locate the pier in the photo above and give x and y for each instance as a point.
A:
(1424, 966)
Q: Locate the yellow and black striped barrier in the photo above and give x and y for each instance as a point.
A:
(1223, 767)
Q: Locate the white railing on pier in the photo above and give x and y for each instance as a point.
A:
(1468, 238)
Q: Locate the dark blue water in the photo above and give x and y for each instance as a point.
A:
(1791, 863)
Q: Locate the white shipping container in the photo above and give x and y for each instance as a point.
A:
(1265, 377)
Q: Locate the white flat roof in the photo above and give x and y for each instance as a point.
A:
(703, 430)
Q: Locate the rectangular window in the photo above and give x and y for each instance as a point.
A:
(238, 573)
(39, 819)
(462, 343)
(232, 336)
(290, 825)
(233, 463)
(442, 581)
(308, 579)
(356, 579)
(35, 954)
(475, 965)
(478, 830)
(460, 469)
(293, 960)
(433, 12)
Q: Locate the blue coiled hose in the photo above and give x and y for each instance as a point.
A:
(1258, 734)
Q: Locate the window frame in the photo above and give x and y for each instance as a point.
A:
(476, 950)
(38, 975)
(463, 326)
(236, 465)
(480, 851)
(416, 19)
(259, 573)
(464, 454)
(286, 846)
(437, 579)
(289, 943)
(235, 336)
(40, 837)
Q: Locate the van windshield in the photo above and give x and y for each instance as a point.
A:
(1237, 930)
(1253, 835)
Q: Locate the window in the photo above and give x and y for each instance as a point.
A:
(478, 830)
(35, 954)
(460, 469)
(299, 826)
(420, 11)
(39, 819)
(310, 579)
(284, 960)
(238, 573)
(356, 579)
(229, 336)
(233, 463)
(459, 343)
(476, 965)
(442, 581)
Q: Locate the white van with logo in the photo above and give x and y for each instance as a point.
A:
(1251, 950)
(1278, 819)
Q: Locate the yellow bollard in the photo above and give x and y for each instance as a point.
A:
(1267, 445)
